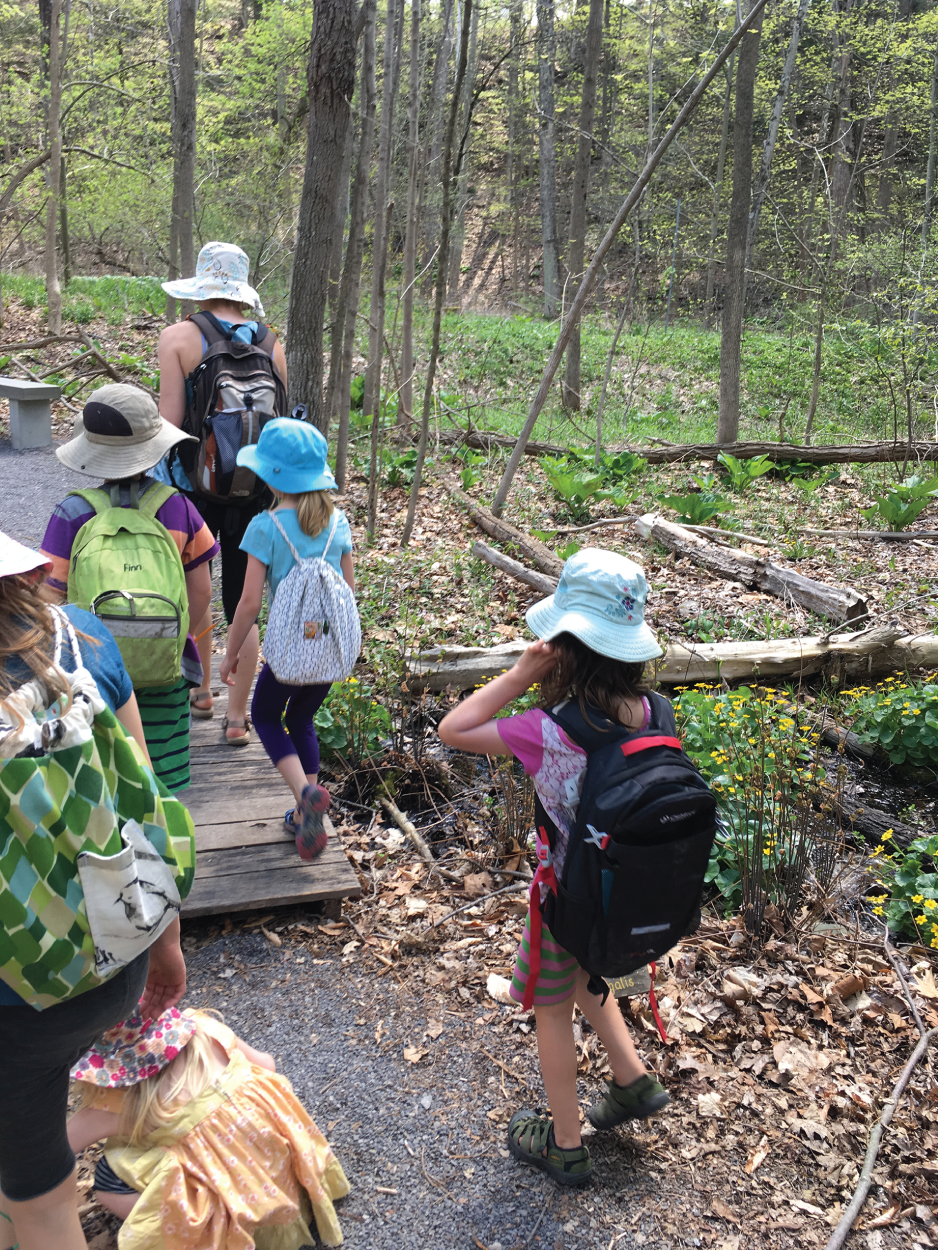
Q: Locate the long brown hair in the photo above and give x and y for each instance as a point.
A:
(26, 633)
(594, 680)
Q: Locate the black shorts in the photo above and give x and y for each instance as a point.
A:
(39, 1049)
(228, 523)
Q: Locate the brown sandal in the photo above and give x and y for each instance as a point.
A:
(242, 739)
(197, 697)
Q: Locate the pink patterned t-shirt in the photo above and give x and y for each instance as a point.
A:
(557, 766)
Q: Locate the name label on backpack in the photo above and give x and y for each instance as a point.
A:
(315, 629)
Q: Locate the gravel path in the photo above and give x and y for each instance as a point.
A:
(31, 484)
(422, 1154)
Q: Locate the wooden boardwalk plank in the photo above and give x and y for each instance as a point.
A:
(244, 860)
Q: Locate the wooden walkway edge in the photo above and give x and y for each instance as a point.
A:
(244, 860)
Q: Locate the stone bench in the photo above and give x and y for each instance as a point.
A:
(30, 411)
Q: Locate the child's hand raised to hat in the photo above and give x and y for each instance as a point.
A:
(535, 663)
(470, 725)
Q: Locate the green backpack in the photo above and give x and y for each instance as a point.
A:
(126, 569)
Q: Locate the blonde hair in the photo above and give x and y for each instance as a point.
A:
(151, 1104)
(26, 633)
(314, 509)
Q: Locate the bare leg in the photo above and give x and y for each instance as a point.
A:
(612, 1030)
(203, 632)
(239, 693)
(291, 770)
(557, 1054)
(7, 1232)
(49, 1222)
(120, 1205)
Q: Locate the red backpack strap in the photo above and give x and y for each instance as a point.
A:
(545, 875)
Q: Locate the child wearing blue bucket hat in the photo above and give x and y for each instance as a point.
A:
(290, 456)
(593, 647)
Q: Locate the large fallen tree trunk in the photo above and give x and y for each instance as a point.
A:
(670, 453)
(540, 555)
(871, 653)
(837, 603)
(514, 568)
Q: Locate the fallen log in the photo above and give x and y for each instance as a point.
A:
(514, 568)
(871, 653)
(837, 603)
(671, 453)
(895, 535)
(872, 822)
(540, 555)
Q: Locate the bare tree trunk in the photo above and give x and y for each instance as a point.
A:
(379, 250)
(841, 141)
(376, 413)
(63, 230)
(462, 182)
(181, 16)
(732, 321)
(436, 109)
(718, 191)
(405, 403)
(350, 287)
(768, 147)
(928, 208)
(546, 52)
(515, 20)
(576, 248)
(53, 113)
(445, 224)
(331, 83)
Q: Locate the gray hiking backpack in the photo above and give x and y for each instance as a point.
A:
(313, 633)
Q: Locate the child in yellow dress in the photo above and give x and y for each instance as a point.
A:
(207, 1146)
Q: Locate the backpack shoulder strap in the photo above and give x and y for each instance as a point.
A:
(155, 496)
(283, 534)
(210, 326)
(588, 734)
(265, 338)
(332, 530)
(98, 499)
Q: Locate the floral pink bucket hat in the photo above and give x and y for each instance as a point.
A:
(221, 272)
(134, 1050)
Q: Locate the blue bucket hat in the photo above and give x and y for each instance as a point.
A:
(601, 600)
(290, 456)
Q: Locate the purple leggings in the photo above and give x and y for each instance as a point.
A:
(302, 703)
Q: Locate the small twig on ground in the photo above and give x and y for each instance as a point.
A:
(505, 1068)
(537, 1226)
(892, 956)
(474, 901)
(423, 849)
(92, 350)
(35, 344)
(842, 1231)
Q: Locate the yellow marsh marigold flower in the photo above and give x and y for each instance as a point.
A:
(921, 919)
(918, 898)
(930, 904)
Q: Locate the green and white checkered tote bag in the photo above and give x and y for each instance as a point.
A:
(94, 852)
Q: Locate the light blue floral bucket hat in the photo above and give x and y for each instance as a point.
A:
(221, 272)
(601, 600)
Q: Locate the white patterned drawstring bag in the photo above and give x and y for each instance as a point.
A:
(314, 633)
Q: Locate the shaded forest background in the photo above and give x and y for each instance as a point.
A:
(838, 257)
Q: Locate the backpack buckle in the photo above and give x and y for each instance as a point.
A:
(597, 839)
(544, 857)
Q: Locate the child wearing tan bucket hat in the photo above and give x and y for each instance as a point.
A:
(118, 437)
(205, 1140)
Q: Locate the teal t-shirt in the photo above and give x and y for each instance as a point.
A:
(264, 541)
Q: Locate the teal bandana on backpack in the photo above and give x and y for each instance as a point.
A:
(69, 782)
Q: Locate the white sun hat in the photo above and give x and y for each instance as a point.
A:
(221, 272)
(15, 559)
(601, 600)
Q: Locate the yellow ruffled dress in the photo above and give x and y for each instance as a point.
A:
(242, 1165)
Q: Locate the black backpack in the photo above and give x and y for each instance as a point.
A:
(638, 852)
(231, 394)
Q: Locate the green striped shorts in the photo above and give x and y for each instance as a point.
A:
(164, 711)
(556, 981)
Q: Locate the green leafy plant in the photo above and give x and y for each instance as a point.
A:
(352, 723)
(696, 508)
(357, 391)
(472, 461)
(901, 718)
(905, 892)
(574, 488)
(901, 505)
(399, 469)
(761, 761)
(78, 308)
(742, 473)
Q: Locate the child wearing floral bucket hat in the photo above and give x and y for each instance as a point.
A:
(207, 1147)
(301, 534)
(593, 646)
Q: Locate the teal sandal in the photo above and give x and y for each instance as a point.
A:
(529, 1134)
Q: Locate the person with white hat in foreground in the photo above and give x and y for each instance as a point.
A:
(221, 289)
(119, 437)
